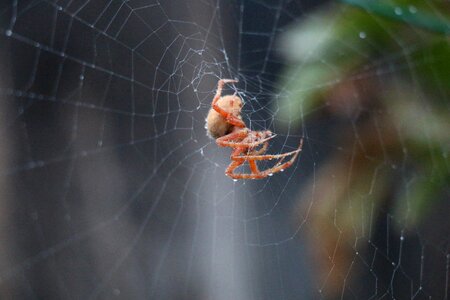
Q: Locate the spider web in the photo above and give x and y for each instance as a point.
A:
(111, 188)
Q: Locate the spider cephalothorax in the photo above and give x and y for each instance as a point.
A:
(224, 123)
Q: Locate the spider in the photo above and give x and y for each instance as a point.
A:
(224, 124)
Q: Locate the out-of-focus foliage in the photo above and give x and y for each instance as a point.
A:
(342, 40)
(383, 68)
(351, 60)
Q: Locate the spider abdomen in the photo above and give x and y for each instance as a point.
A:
(216, 125)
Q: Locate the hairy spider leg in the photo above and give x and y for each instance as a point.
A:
(242, 147)
(279, 166)
(237, 136)
(256, 136)
(260, 150)
(253, 166)
(235, 139)
(234, 163)
(256, 174)
(267, 156)
(233, 120)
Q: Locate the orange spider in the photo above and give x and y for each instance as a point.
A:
(224, 123)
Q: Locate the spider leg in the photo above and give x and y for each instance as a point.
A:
(226, 141)
(231, 168)
(229, 117)
(279, 166)
(258, 174)
(265, 157)
(252, 164)
(232, 139)
(261, 150)
(253, 167)
(236, 139)
(234, 164)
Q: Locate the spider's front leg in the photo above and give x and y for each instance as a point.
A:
(228, 116)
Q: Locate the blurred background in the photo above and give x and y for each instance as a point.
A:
(110, 188)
